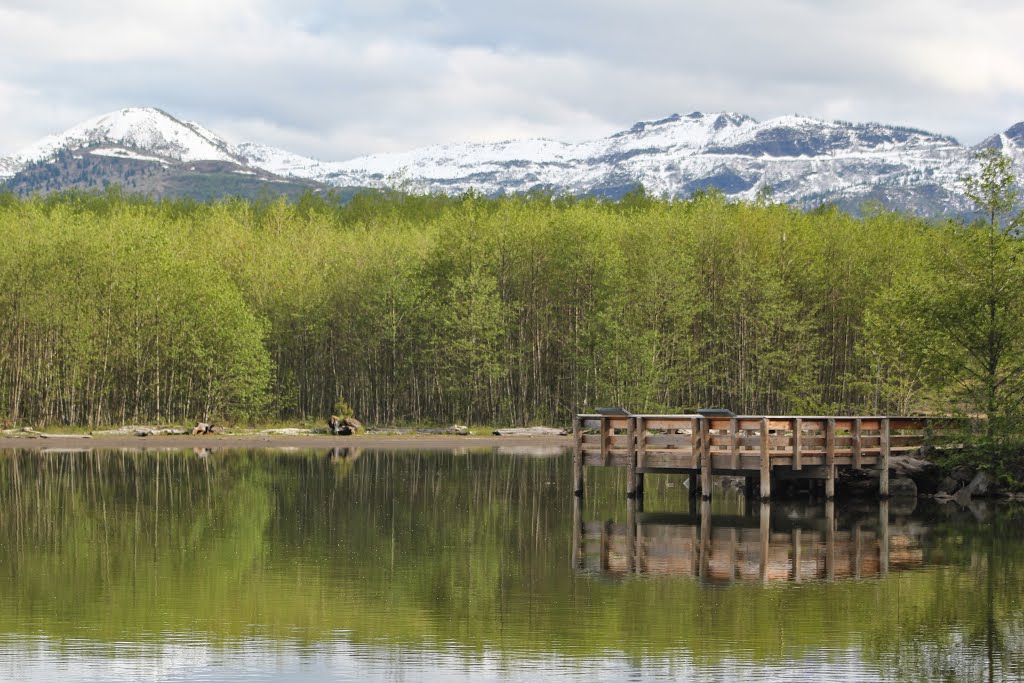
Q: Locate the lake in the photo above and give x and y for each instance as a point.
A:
(314, 565)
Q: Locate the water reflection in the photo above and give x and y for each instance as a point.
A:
(460, 564)
(776, 542)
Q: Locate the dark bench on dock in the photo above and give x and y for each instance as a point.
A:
(762, 446)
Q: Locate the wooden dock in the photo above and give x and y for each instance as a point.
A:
(762, 448)
(725, 549)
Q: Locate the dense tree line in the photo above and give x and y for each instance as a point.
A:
(510, 310)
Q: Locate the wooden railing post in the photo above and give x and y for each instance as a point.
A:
(631, 457)
(798, 430)
(766, 463)
(734, 444)
(883, 464)
(577, 455)
(695, 454)
(830, 458)
(606, 429)
(855, 434)
(641, 452)
(705, 458)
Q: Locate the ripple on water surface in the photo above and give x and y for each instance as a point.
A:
(243, 565)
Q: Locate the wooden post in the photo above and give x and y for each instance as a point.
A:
(855, 434)
(641, 453)
(765, 538)
(830, 458)
(694, 551)
(766, 465)
(858, 551)
(705, 458)
(631, 457)
(797, 553)
(577, 533)
(695, 454)
(883, 464)
(883, 537)
(830, 540)
(798, 428)
(577, 456)
(693, 482)
(705, 537)
(734, 444)
(606, 543)
(695, 440)
(606, 427)
(631, 540)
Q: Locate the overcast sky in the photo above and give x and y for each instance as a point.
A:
(338, 79)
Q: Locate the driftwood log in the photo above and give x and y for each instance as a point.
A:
(530, 431)
(203, 428)
(343, 426)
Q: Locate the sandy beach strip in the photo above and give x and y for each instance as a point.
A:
(327, 442)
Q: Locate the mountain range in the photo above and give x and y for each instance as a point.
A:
(798, 160)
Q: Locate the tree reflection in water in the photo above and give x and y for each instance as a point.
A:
(468, 553)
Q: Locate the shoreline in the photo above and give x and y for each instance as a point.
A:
(312, 441)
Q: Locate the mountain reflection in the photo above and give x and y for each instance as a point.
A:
(470, 555)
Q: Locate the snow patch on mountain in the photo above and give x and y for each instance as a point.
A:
(142, 128)
(803, 161)
(120, 153)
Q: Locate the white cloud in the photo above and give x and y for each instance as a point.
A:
(334, 80)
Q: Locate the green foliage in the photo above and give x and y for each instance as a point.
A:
(994, 191)
(512, 310)
(948, 331)
(342, 409)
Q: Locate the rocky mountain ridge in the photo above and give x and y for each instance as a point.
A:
(793, 159)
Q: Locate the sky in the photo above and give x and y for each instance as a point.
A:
(336, 80)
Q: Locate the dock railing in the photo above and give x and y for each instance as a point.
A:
(762, 446)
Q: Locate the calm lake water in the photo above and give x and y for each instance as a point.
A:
(249, 565)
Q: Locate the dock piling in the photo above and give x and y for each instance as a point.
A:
(577, 456)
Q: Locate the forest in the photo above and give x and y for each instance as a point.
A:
(515, 310)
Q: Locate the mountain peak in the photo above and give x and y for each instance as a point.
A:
(1016, 133)
(147, 130)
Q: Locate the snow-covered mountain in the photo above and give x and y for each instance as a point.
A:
(142, 150)
(131, 133)
(800, 160)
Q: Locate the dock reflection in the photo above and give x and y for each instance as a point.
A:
(772, 543)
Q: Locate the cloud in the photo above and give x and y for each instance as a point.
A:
(335, 80)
